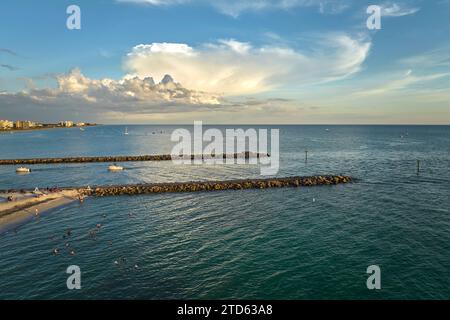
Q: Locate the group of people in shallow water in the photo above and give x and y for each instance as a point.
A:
(93, 236)
(68, 234)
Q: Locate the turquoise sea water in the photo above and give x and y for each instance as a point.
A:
(252, 244)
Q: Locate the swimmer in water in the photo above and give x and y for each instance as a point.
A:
(92, 235)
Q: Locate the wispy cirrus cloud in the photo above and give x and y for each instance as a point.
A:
(235, 8)
(437, 58)
(156, 2)
(9, 67)
(6, 65)
(397, 9)
(8, 51)
(402, 82)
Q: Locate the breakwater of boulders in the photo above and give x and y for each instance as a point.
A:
(104, 191)
(164, 157)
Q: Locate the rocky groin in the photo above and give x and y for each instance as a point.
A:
(111, 159)
(103, 191)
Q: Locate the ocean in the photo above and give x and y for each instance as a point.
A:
(300, 243)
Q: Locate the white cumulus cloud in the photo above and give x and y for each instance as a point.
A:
(230, 67)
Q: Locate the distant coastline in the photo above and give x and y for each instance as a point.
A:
(45, 127)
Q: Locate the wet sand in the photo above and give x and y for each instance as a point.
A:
(25, 205)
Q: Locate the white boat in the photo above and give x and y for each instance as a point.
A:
(23, 170)
(126, 132)
(81, 129)
(115, 168)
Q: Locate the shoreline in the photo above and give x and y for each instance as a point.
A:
(27, 202)
(24, 208)
(43, 128)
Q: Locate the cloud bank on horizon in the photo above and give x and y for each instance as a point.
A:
(312, 77)
(205, 77)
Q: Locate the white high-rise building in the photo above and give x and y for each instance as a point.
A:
(6, 124)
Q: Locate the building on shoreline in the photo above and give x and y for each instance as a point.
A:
(66, 124)
(26, 124)
(6, 124)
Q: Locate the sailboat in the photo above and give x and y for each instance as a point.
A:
(126, 131)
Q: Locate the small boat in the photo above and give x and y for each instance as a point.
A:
(115, 167)
(126, 132)
(81, 129)
(23, 170)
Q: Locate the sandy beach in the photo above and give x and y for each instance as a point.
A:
(26, 205)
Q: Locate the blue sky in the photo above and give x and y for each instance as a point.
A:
(248, 61)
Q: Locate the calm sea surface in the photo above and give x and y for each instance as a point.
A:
(253, 244)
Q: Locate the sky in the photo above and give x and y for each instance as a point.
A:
(226, 62)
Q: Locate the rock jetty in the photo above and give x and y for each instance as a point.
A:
(104, 191)
(164, 157)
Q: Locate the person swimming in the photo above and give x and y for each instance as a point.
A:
(92, 235)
